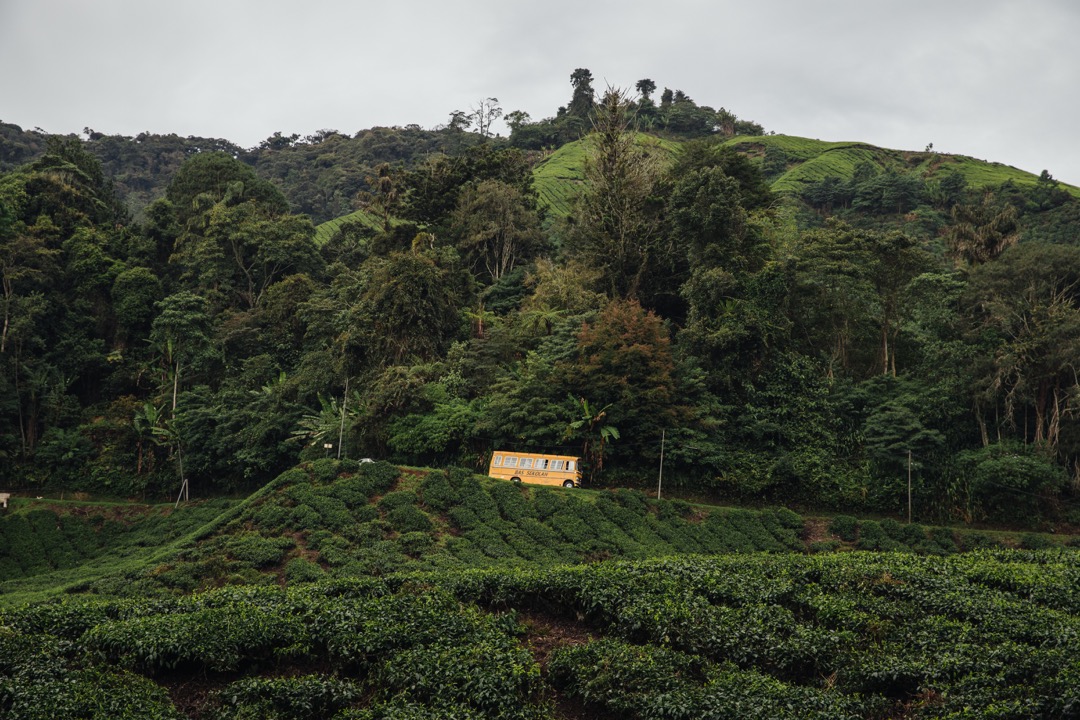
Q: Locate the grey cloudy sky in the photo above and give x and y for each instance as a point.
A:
(994, 79)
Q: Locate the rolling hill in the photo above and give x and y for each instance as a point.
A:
(366, 592)
(806, 161)
(790, 164)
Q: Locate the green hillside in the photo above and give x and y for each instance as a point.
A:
(807, 161)
(355, 592)
(559, 176)
(798, 162)
(325, 231)
(372, 519)
(331, 519)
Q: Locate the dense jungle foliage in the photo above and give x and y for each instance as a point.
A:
(168, 316)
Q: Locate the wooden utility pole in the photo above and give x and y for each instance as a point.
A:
(909, 487)
(341, 428)
(660, 481)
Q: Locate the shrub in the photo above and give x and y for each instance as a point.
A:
(218, 639)
(979, 541)
(416, 544)
(335, 551)
(24, 545)
(789, 518)
(380, 475)
(352, 490)
(1035, 541)
(436, 492)
(845, 527)
(304, 517)
(409, 518)
(512, 501)
(463, 518)
(546, 502)
(270, 516)
(334, 513)
(394, 500)
(258, 551)
(460, 478)
(368, 532)
(893, 529)
(324, 471)
(634, 500)
(824, 546)
(365, 513)
(873, 537)
(944, 540)
(475, 497)
(300, 570)
(303, 697)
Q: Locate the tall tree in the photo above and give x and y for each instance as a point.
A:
(645, 88)
(1027, 301)
(484, 113)
(408, 308)
(625, 370)
(617, 226)
(581, 104)
(498, 228)
(980, 232)
(384, 193)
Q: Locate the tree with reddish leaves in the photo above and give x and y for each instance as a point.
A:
(624, 364)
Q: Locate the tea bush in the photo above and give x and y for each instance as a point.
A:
(300, 570)
(845, 527)
(213, 639)
(306, 697)
(409, 518)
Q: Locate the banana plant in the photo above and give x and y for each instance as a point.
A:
(596, 431)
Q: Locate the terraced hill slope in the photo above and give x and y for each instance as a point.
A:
(368, 592)
(792, 164)
(559, 177)
(807, 161)
(325, 231)
(331, 519)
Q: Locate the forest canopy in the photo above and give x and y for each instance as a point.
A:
(169, 314)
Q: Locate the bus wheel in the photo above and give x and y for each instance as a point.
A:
(568, 483)
(516, 480)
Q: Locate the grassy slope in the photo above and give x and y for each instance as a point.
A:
(326, 230)
(559, 177)
(812, 160)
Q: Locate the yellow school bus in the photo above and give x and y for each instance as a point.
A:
(538, 468)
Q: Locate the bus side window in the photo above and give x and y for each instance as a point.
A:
(570, 465)
(541, 464)
(558, 465)
(526, 463)
(498, 461)
(510, 462)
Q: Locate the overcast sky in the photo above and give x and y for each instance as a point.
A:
(993, 79)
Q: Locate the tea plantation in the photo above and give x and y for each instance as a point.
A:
(347, 591)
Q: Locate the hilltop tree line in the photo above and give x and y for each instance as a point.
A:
(813, 353)
(676, 116)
